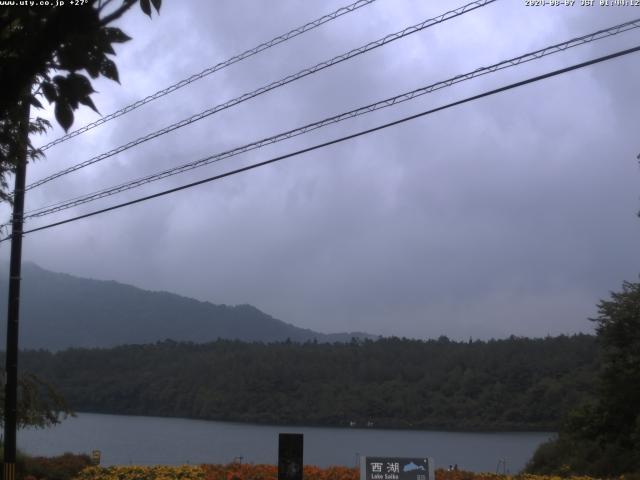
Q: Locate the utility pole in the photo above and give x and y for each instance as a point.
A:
(15, 267)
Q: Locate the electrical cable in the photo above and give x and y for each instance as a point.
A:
(338, 140)
(284, 81)
(208, 71)
(535, 55)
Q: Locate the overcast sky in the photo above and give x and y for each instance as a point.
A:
(514, 214)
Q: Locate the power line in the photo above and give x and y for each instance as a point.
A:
(560, 47)
(208, 71)
(284, 81)
(339, 140)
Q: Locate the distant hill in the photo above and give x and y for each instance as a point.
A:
(58, 311)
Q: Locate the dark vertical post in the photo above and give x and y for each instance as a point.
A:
(290, 453)
(11, 362)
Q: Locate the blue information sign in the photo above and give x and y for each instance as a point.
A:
(396, 468)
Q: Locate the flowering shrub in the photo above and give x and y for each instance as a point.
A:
(462, 475)
(62, 467)
(235, 471)
(184, 472)
(270, 472)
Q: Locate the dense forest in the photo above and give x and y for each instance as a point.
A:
(511, 384)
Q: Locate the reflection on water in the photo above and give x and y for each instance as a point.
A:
(174, 441)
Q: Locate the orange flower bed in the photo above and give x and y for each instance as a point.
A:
(236, 471)
(270, 472)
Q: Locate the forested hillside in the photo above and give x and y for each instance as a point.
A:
(60, 311)
(516, 383)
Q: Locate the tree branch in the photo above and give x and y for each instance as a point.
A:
(126, 5)
(102, 4)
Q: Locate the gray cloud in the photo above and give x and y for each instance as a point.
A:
(510, 215)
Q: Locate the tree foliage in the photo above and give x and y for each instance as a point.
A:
(47, 53)
(516, 383)
(39, 404)
(603, 438)
(52, 53)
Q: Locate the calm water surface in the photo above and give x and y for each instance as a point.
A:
(172, 441)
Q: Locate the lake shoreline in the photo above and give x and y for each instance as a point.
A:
(145, 440)
(400, 428)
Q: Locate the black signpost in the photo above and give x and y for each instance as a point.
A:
(290, 453)
(396, 468)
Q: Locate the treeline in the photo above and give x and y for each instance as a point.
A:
(511, 384)
(601, 439)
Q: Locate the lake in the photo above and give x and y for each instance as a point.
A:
(128, 440)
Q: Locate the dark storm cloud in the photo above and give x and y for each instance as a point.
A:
(513, 214)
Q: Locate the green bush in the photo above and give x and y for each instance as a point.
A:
(62, 467)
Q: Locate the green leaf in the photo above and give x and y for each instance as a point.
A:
(156, 4)
(60, 81)
(79, 86)
(73, 88)
(107, 48)
(108, 69)
(89, 103)
(145, 5)
(115, 35)
(64, 114)
(39, 125)
(74, 54)
(49, 92)
(74, 102)
(35, 102)
(93, 66)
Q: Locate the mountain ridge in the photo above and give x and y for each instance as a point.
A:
(59, 311)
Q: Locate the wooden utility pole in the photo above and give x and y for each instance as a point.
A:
(13, 313)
